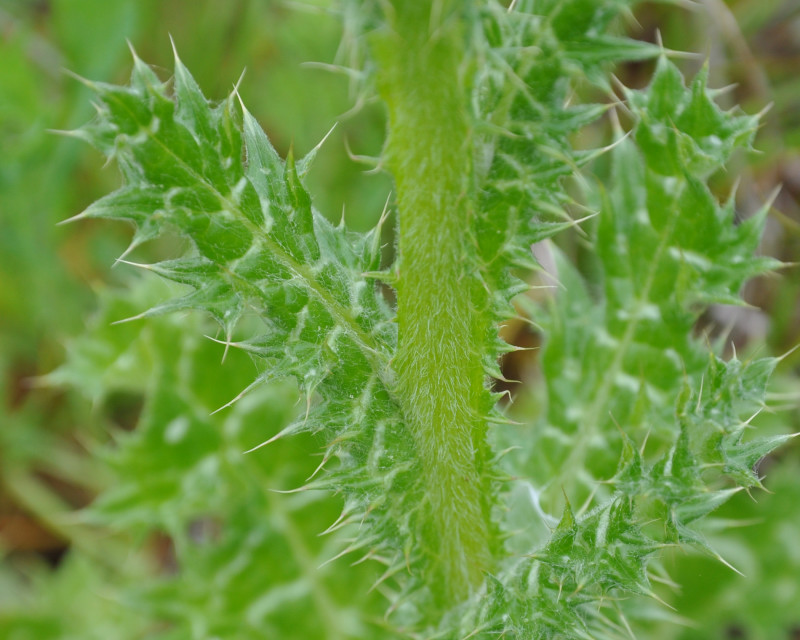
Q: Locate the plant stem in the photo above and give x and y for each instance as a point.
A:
(440, 379)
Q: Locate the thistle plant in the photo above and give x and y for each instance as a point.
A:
(483, 526)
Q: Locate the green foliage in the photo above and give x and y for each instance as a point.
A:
(181, 476)
(762, 607)
(260, 249)
(480, 527)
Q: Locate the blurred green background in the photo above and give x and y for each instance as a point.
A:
(187, 540)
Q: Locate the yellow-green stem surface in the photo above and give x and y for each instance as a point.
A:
(440, 379)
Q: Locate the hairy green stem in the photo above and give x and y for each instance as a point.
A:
(440, 379)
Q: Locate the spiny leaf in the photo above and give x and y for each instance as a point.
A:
(209, 173)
